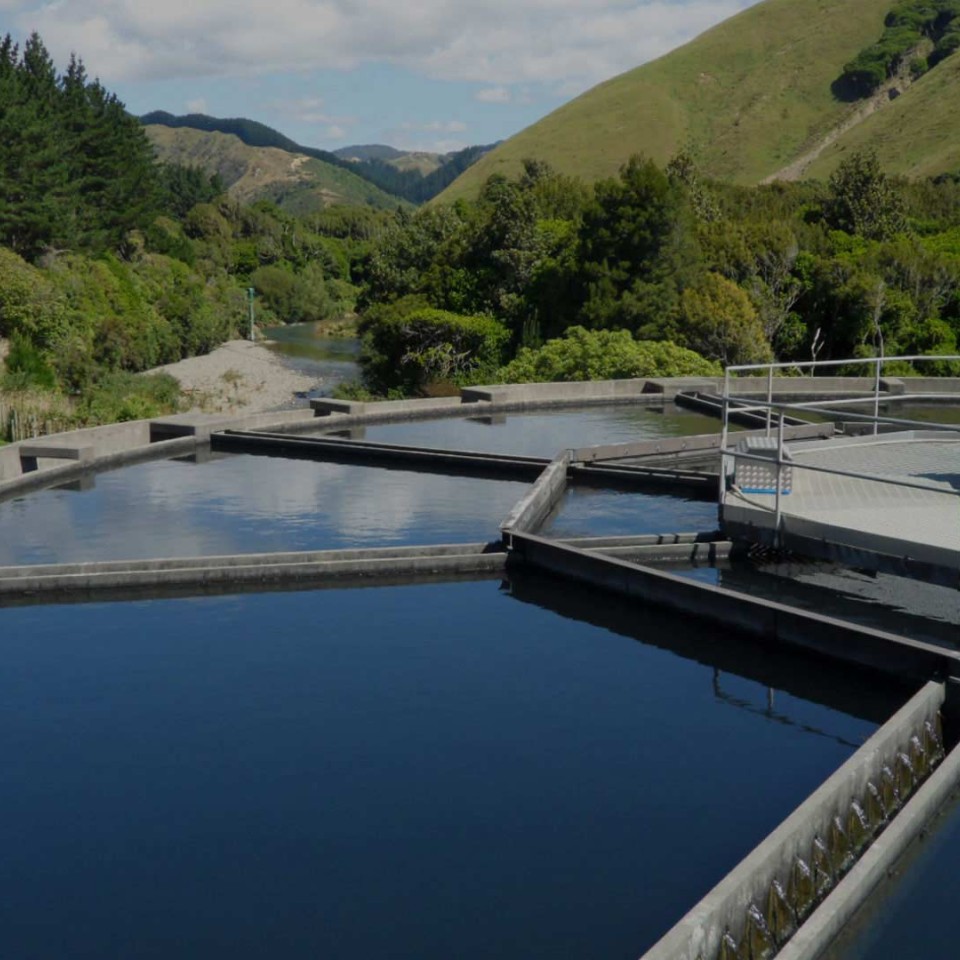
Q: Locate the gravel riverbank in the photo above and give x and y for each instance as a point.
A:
(239, 376)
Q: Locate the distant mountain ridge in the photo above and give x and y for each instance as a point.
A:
(755, 99)
(294, 181)
(368, 151)
(380, 165)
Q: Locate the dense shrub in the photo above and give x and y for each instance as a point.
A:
(948, 43)
(29, 303)
(881, 60)
(122, 396)
(292, 297)
(721, 323)
(583, 354)
(905, 27)
(27, 366)
(411, 349)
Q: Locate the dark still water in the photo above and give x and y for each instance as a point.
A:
(911, 608)
(423, 772)
(544, 433)
(240, 504)
(589, 512)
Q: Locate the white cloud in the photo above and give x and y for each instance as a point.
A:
(197, 106)
(312, 110)
(493, 95)
(573, 43)
(436, 126)
(433, 136)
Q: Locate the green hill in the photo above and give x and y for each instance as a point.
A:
(294, 181)
(749, 98)
(413, 176)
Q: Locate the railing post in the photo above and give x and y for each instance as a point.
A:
(770, 398)
(876, 397)
(777, 511)
(722, 484)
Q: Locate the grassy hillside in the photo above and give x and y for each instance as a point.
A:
(412, 176)
(747, 97)
(295, 182)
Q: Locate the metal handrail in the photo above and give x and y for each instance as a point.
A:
(871, 361)
(826, 407)
(769, 406)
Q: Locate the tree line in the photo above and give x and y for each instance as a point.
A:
(733, 274)
(111, 263)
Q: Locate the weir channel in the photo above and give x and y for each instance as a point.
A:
(556, 761)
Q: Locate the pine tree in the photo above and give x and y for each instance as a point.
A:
(33, 170)
(76, 170)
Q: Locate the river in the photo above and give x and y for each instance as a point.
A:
(304, 348)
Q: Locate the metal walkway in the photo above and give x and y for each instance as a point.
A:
(921, 522)
(886, 501)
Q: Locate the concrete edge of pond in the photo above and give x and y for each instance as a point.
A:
(92, 448)
(724, 912)
(547, 490)
(245, 559)
(75, 452)
(765, 620)
(829, 919)
(308, 566)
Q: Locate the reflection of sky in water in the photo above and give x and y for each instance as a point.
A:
(254, 504)
(249, 504)
(588, 512)
(546, 433)
(430, 772)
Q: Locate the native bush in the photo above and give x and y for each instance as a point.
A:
(905, 27)
(29, 304)
(583, 354)
(413, 348)
(28, 365)
(947, 44)
(121, 396)
(294, 297)
(720, 322)
(880, 60)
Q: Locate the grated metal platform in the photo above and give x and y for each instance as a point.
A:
(920, 523)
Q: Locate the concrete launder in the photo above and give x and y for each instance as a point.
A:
(724, 909)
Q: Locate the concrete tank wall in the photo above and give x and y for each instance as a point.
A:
(724, 909)
(542, 497)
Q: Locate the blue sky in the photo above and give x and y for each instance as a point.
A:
(417, 74)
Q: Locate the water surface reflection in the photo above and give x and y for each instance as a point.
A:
(240, 504)
(589, 512)
(911, 608)
(544, 433)
(427, 771)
